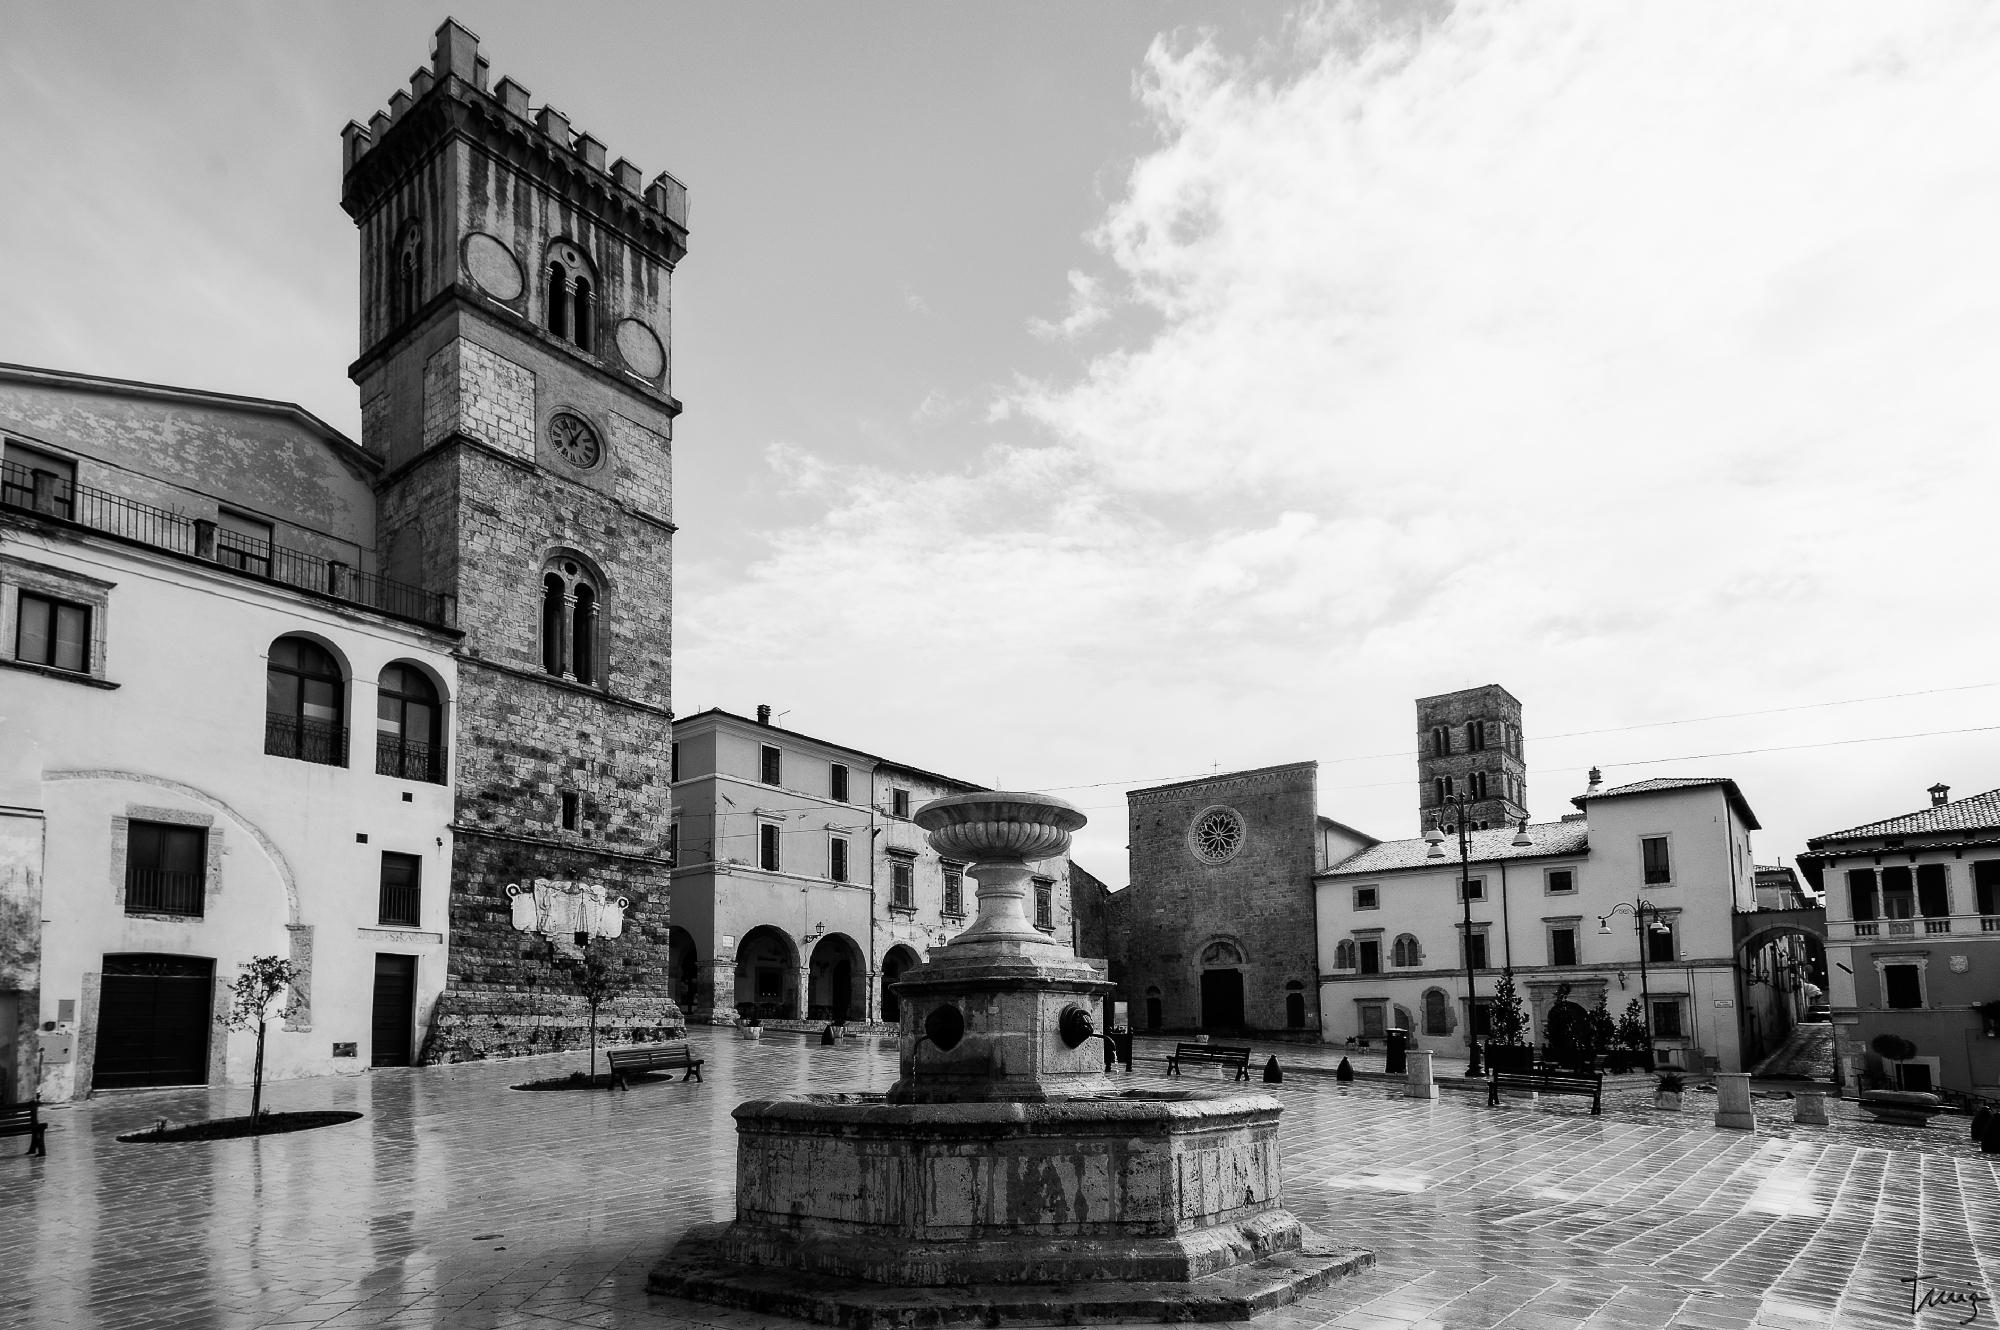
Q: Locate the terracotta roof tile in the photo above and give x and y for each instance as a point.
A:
(1978, 812)
(1486, 846)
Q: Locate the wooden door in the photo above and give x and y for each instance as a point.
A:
(393, 1027)
(153, 1021)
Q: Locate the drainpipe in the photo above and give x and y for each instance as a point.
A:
(1506, 927)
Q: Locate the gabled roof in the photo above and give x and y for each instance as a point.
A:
(1977, 812)
(1668, 784)
(1356, 832)
(746, 723)
(1550, 838)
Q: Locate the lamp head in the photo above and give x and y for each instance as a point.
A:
(1521, 837)
(1604, 925)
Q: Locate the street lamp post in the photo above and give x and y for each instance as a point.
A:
(1435, 837)
(1638, 909)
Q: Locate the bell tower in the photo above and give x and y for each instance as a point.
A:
(1469, 748)
(516, 385)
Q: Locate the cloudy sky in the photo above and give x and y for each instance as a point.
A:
(1082, 397)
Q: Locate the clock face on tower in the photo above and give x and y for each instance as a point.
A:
(574, 440)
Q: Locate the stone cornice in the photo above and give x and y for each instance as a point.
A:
(1227, 783)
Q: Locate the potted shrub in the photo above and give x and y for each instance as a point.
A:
(1667, 1092)
(1507, 1025)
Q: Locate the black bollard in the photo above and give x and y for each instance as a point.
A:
(1990, 1142)
(826, 1037)
(1344, 1072)
(1979, 1121)
(1272, 1074)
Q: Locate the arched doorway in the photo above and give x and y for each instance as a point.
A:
(1155, 1009)
(1295, 1005)
(1781, 975)
(1221, 987)
(898, 960)
(767, 975)
(1567, 1027)
(834, 994)
(683, 968)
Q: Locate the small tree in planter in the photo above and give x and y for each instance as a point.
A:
(1602, 1034)
(599, 977)
(1632, 1034)
(264, 980)
(1506, 1027)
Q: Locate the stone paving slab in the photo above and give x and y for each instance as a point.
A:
(458, 1204)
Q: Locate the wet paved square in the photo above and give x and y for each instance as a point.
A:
(456, 1202)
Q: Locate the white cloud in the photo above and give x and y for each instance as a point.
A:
(1636, 357)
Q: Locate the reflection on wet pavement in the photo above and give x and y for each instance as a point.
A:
(458, 1203)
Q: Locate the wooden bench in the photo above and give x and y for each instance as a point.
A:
(1219, 1054)
(25, 1120)
(666, 1057)
(1548, 1080)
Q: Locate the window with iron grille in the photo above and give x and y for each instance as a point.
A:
(165, 868)
(402, 890)
(1045, 907)
(409, 726)
(1667, 1019)
(305, 711)
(954, 891)
(902, 884)
(243, 543)
(52, 632)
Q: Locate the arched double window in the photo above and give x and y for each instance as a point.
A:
(571, 607)
(1343, 954)
(305, 703)
(570, 299)
(1405, 951)
(409, 726)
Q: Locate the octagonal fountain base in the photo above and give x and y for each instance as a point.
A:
(1142, 1206)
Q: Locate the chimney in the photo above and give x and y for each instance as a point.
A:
(763, 713)
(1596, 782)
(1940, 792)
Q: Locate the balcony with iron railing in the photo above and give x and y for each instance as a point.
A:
(409, 760)
(155, 891)
(402, 905)
(52, 496)
(305, 740)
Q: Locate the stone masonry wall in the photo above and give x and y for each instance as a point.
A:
(1489, 703)
(1261, 899)
(477, 393)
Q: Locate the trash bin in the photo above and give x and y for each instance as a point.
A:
(1398, 1044)
(1119, 1046)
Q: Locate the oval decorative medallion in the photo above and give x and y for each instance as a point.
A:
(640, 349)
(1216, 834)
(493, 266)
(574, 440)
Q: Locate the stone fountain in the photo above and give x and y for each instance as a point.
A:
(1004, 1178)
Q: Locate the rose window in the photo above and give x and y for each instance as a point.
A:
(1216, 835)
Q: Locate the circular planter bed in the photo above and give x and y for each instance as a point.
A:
(576, 1080)
(224, 1129)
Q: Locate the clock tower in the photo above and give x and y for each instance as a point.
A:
(516, 385)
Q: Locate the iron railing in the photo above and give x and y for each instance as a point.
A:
(402, 904)
(158, 892)
(55, 496)
(408, 759)
(306, 740)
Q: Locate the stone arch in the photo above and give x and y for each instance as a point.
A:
(899, 959)
(767, 974)
(683, 967)
(836, 981)
(270, 848)
(574, 620)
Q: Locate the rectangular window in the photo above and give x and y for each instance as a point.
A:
(1933, 893)
(1561, 881)
(1475, 889)
(1899, 896)
(1986, 885)
(165, 868)
(243, 543)
(571, 810)
(1475, 950)
(837, 782)
(38, 481)
(1667, 1019)
(674, 762)
(899, 803)
(768, 844)
(1562, 946)
(1660, 942)
(1045, 904)
(836, 858)
(55, 633)
(773, 765)
(903, 884)
(1653, 852)
(954, 891)
(1861, 894)
(1371, 955)
(1365, 898)
(1902, 987)
(402, 890)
